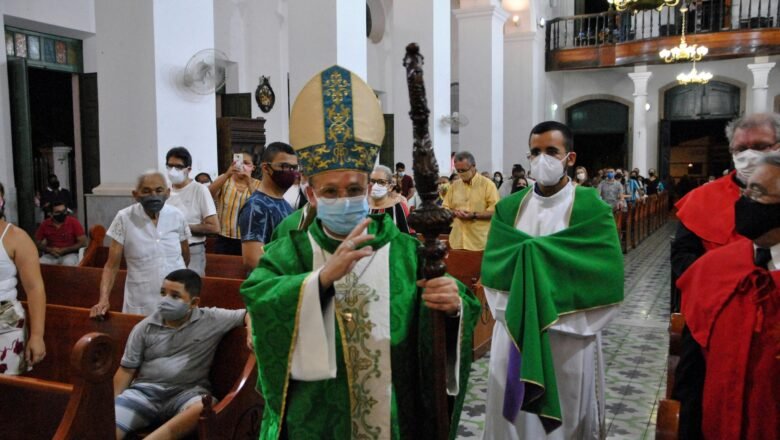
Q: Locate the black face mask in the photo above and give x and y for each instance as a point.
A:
(753, 219)
(153, 204)
(54, 184)
(59, 217)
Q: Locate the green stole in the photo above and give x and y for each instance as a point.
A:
(576, 269)
(321, 409)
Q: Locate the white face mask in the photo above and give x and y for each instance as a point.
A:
(547, 170)
(177, 176)
(581, 176)
(746, 163)
(378, 191)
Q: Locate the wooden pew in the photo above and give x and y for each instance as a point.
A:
(217, 265)
(667, 424)
(233, 375)
(80, 287)
(466, 266)
(81, 408)
(668, 418)
(97, 234)
(620, 224)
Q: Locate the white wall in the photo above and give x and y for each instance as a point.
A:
(254, 36)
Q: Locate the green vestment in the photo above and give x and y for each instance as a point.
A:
(576, 269)
(322, 409)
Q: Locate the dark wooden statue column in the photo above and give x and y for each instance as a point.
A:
(430, 220)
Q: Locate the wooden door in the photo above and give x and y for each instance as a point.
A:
(22, 142)
(90, 134)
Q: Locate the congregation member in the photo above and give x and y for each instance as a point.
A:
(472, 200)
(634, 189)
(385, 201)
(60, 237)
(443, 187)
(230, 191)
(164, 371)
(706, 217)
(153, 237)
(21, 331)
(203, 179)
(611, 190)
(266, 207)
(195, 202)
(362, 378)
(731, 304)
(581, 177)
(498, 179)
(55, 193)
(405, 182)
(653, 184)
(296, 194)
(553, 254)
(518, 183)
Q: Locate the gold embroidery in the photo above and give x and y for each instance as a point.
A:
(352, 300)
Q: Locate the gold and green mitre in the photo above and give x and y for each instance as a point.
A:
(336, 123)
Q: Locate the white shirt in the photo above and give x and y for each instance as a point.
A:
(196, 203)
(151, 252)
(774, 263)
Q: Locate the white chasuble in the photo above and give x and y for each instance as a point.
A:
(575, 342)
(361, 309)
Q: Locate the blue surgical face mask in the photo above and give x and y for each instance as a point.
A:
(341, 215)
(172, 309)
(610, 175)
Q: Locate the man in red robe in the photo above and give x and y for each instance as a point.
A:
(706, 223)
(731, 304)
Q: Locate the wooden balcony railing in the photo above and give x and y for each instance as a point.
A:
(598, 37)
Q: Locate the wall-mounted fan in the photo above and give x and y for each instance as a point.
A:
(205, 71)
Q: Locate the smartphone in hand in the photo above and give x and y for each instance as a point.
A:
(238, 162)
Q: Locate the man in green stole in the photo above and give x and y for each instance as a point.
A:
(553, 276)
(340, 321)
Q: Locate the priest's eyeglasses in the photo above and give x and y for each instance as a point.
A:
(283, 166)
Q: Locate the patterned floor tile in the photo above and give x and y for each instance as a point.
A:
(635, 346)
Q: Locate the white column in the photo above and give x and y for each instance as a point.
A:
(61, 166)
(145, 109)
(427, 23)
(524, 86)
(760, 73)
(639, 158)
(481, 74)
(323, 33)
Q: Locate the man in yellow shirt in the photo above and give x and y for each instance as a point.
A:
(472, 199)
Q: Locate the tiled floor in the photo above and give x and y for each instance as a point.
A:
(635, 347)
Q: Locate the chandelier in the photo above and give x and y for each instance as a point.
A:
(694, 77)
(683, 52)
(642, 5)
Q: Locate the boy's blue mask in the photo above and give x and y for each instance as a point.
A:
(343, 214)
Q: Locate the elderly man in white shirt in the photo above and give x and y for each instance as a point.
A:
(152, 236)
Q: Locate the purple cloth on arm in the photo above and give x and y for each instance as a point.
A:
(515, 388)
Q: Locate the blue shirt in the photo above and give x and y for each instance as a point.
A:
(260, 215)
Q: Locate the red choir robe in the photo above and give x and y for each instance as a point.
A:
(708, 211)
(732, 308)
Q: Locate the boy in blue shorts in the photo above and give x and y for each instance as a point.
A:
(164, 370)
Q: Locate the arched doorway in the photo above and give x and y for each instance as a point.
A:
(600, 129)
(692, 134)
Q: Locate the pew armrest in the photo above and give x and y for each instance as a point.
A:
(668, 423)
(239, 413)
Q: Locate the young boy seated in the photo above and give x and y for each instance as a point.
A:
(171, 351)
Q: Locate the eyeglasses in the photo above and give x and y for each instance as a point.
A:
(757, 147)
(381, 182)
(178, 167)
(284, 166)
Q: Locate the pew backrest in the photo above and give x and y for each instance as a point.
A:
(217, 265)
(80, 287)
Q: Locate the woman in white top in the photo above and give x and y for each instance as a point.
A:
(152, 236)
(21, 341)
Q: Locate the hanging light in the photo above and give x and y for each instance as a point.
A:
(641, 5)
(694, 77)
(683, 52)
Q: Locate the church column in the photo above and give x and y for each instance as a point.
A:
(323, 33)
(145, 109)
(639, 158)
(427, 23)
(760, 73)
(481, 77)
